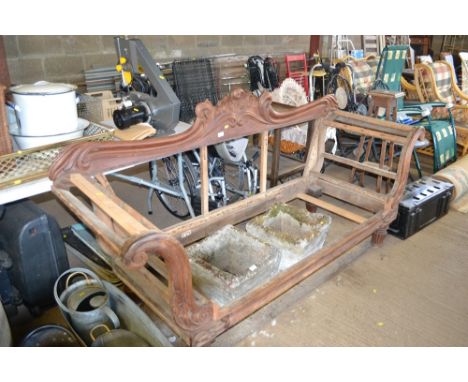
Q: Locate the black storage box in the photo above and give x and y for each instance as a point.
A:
(424, 201)
(34, 244)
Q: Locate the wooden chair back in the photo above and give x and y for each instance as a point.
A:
(296, 68)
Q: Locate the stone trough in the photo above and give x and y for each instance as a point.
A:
(295, 232)
(230, 262)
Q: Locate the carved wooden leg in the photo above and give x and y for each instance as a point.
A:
(379, 236)
(316, 192)
(311, 207)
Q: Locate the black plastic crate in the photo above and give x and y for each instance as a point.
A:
(423, 202)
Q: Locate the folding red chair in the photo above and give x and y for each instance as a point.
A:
(296, 68)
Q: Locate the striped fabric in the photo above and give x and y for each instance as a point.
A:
(373, 63)
(443, 80)
(363, 76)
(464, 63)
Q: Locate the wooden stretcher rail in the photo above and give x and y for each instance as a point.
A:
(365, 131)
(116, 213)
(360, 166)
(351, 193)
(192, 230)
(384, 126)
(154, 264)
(333, 208)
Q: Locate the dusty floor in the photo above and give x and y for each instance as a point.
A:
(406, 293)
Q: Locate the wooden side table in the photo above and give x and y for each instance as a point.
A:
(388, 100)
(384, 99)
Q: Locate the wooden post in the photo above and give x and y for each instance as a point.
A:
(263, 160)
(314, 45)
(4, 75)
(204, 179)
(275, 158)
(5, 140)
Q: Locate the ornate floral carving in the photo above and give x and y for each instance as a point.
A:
(239, 114)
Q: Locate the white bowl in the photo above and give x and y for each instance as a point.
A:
(24, 142)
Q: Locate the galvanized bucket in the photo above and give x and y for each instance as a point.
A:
(84, 301)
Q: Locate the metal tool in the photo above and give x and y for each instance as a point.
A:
(149, 97)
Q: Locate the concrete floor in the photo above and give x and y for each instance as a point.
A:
(406, 293)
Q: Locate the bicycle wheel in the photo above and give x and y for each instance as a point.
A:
(241, 178)
(168, 174)
(236, 181)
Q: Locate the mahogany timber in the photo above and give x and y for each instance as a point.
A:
(154, 263)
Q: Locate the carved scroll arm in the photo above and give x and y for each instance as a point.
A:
(189, 315)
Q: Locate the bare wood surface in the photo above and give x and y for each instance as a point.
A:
(333, 208)
(369, 123)
(87, 216)
(400, 139)
(275, 175)
(275, 157)
(192, 230)
(204, 180)
(360, 166)
(314, 163)
(133, 279)
(291, 171)
(360, 147)
(158, 287)
(263, 160)
(158, 265)
(119, 215)
(5, 139)
(391, 153)
(130, 210)
(351, 193)
(383, 153)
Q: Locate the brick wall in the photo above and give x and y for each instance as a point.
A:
(64, 58)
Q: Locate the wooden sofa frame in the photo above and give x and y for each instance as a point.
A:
(153, 262)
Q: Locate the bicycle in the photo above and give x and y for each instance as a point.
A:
(227, 181)
(174, 185)
(176, 181)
